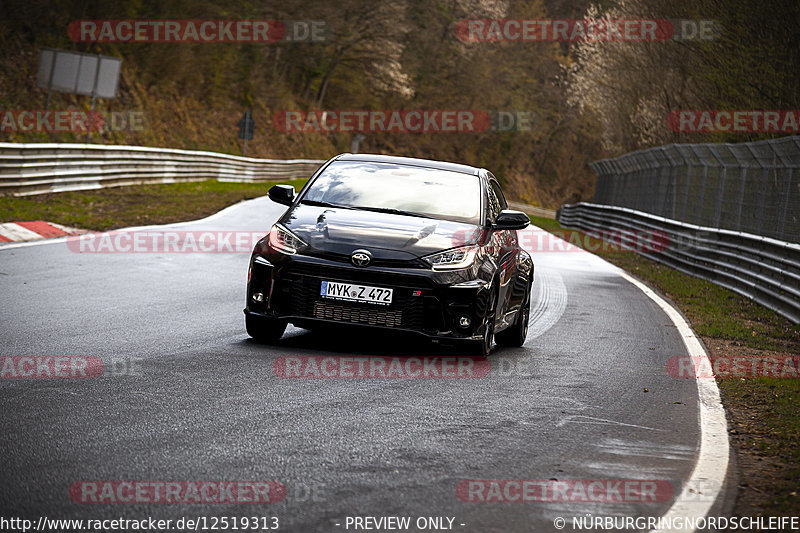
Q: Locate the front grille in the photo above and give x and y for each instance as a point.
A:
(362, 276)
(345, 313)
(405, 311)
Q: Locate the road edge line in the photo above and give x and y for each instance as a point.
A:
(713, 457)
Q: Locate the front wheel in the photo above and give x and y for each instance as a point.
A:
(265, 330)
(515, 335)
(483, 347)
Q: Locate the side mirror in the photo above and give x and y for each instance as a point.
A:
(282, 194)
(510, 219)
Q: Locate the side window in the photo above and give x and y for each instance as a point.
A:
(499, 194)
(494, 202)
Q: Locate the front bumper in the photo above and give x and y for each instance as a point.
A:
(424, 302)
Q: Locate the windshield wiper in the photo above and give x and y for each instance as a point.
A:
(394, 211)
(323, 204)
(366, 208)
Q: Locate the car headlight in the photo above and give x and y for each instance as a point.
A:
(453, 259)
(284, 241)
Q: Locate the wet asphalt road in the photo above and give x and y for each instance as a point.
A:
(187, 396)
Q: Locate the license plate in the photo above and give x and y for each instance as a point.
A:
(355, 293)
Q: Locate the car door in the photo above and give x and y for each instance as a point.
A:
(504, 243)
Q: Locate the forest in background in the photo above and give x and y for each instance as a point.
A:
(588, 100)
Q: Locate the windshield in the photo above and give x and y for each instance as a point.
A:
(384, 186)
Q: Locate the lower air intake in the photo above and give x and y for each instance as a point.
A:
(347, 313)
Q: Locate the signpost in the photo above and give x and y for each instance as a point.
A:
(77, 73)
(356, 143)
(246, 127)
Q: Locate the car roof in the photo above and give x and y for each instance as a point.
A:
(411, 161)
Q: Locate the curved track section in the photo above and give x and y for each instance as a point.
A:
(185, 395)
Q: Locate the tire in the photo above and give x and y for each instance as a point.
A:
(483, 347)
(264, 330)
(515, 335)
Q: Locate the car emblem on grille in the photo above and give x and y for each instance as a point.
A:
(361, 258)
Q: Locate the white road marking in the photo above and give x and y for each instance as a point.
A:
(713, 456)
(711, 467)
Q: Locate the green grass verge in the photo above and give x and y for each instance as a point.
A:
(763, 413)
(106, 209)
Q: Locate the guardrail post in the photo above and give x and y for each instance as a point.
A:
(720, 194)
(762, 200)
(740, 203)
(665, 189)
(785, 208)
(701, 196)
(685, 203)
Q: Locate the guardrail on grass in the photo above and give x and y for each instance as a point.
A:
(762, 268)
(533, 210)
(731, 213)
(35, 168)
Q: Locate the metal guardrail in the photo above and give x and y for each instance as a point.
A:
(533, 210)
(752, 187)
(27, 169)
(764, 269)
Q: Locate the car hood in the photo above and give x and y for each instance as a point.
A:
(387, 236)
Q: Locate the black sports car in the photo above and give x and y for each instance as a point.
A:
(392, 242)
